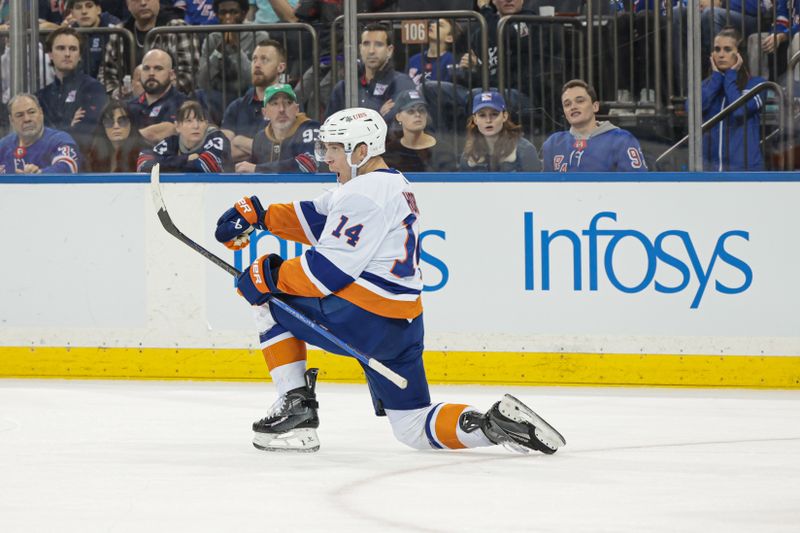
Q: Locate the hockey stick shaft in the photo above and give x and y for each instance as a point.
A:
(172, 229)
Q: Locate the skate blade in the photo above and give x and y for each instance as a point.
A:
(544, 432)
(298, 440)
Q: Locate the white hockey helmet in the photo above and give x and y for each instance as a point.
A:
(351, 127)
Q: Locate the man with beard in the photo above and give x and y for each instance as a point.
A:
(243, 117)
(74, 101)
(224, 72)
(155, 111)
(197, 147)
(146, 15)
(379, 84)
(287, 143)
(32, 148)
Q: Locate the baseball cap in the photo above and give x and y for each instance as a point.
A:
(409, 99)
(284, 88)
(491, 99)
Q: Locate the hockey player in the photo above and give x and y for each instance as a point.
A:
(589, 145)
(286, 144)
(196, 148)
(32, 148)
(360, 280)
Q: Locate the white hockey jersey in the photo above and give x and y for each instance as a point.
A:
(365, 244)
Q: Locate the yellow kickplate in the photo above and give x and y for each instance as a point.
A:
(508, 368)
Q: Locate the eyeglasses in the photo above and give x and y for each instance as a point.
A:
(123, 122)
(229, 12)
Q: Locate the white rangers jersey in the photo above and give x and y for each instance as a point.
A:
(365, 244)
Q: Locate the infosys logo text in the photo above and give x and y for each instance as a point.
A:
(428, 261)
(597, 247)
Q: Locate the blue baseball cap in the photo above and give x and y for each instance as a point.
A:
(491, 99)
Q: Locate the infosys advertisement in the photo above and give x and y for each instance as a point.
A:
(576, 259)
(651, 267)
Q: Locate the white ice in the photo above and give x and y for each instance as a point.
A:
(175, 456)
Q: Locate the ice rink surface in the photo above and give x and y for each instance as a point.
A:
(128, 456)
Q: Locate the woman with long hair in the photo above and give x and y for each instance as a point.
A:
(116, 143)
(735, 142)
(412, 149)
(494, 142)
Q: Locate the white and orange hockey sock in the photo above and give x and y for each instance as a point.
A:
(286, 360)
(284, 353)
(435, 427)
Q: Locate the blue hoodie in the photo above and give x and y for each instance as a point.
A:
(724, 145)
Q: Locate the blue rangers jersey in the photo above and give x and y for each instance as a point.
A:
(54, 153)
(294, 154)
(607, 149)
(365, 245)
(213, 155)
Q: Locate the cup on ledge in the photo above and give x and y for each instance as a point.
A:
(547, 11)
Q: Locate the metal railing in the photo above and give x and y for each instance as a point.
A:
(735, 105)
(538, 98)
(283, 27)
(793, 62)
(432, 15)
(124, 34)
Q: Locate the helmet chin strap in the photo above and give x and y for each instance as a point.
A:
(353, 167)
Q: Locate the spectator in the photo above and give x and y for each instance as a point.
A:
(589, 145)
(436, 63)
(89, 14)
(198, 147)
(734, 143)
(294, 42)
(414, 150)
(52, 14)
(225, 65)
(287, 143)
(32, 148)
(454, 99)
(633, 30)
(116, 7)
(715, 14)
(197, 12)
(321, 14)
(518, 36)
(379, 84)
(116, 147)
(146, 15)
(73, 102)
(271, 11)
(494, 143)
(154, 113)
(776, 42)
(244, 116)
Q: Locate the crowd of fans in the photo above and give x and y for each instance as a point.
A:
(242, 100)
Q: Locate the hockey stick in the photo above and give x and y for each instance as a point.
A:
(172, 229)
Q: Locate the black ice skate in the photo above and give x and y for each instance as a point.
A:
(291, 423)
(514, 425)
